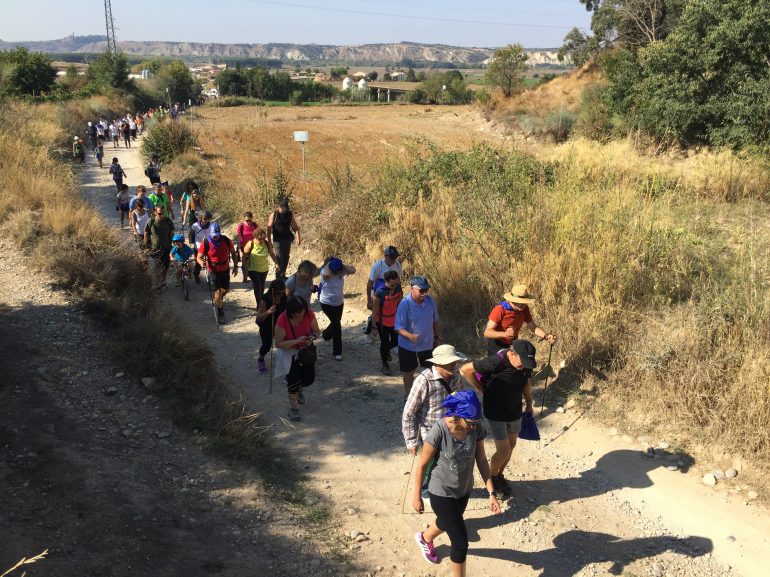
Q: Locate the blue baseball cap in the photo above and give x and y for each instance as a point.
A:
(214, 230)
(335, 264)
(420, 282)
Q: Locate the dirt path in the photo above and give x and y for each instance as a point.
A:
(586, 502)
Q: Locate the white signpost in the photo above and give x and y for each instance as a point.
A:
(302, 136)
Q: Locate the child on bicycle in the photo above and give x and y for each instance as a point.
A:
(180, 254)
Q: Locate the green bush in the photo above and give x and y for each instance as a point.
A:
(168, 139)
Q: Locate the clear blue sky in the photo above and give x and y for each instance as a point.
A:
(533, 23)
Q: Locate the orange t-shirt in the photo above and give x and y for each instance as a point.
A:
(505, 318)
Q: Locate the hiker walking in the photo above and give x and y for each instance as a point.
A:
(300, 284)
(99, 151)
(271, 305)
(244, 232)
(423, 405)
(457, 442)
(282, 226)
(376, 279)
(159, 197)
(418, 329)
(331, 294)
(384, 305)
(217, 250)
(141, 194)
(125, 130)
(117, 173)
(295, 331)
(152, 170)
(122, 202)
(192, 205)
(92, 135)
(508, 316)
(198, 232)
(157, 238)
(504, 379)
(254, 255)
(138, 218)
(79, 150)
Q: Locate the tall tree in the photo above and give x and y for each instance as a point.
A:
(176, 80)
(25, 73)
(110, 71)
(504, 71)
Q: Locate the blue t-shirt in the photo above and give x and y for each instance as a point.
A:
(181, 253)
(417, 319)
(148, 206)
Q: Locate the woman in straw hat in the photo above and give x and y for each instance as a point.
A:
(508, 316)
(458, 439)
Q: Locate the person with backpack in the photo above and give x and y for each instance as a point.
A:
(456, 444)
(192, 205)
(418, 329)
(198, 232)
(434, 384)
(384, 305)
(159, 197)
(331, 293)
(271, 305)
(92, 135)
(152, 170)
(215, 253)
(117, 173)
(507, 317)
(157, 238)
(282, 226)
(244, 233)
(504, 379)
(376, 278)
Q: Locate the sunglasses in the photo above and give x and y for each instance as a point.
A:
(423, 291)
(471, 424)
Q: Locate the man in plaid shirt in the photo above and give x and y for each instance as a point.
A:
(430, 388)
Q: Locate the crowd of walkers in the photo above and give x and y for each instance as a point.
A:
(442, 419)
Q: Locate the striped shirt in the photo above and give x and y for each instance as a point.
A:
(423, 406)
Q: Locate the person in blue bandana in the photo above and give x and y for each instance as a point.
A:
(457, 440)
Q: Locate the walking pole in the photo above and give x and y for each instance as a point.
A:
(545, 388)
(272, 342)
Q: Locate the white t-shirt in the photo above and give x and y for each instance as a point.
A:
(381, 267)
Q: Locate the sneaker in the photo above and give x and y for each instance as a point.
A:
(220, 315)
(261, 366)
(198, 279)
(501, 485)
(301, 397)
(294, 415)
(368, 326)
(426, 549)
(386, 369)
(337, 357)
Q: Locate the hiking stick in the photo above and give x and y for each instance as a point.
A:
(406, 490)
(272, 342)
(548, 376)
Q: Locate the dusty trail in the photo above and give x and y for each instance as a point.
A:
(586, 502)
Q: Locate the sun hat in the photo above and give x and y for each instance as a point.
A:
(391, 251)
(420, 282)
(214, 230)
(464, 404)
(446, 355)
(526, 352)
(519, 294)
(335, 264)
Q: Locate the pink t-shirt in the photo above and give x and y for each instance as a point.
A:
(245, 232)
(304, 329)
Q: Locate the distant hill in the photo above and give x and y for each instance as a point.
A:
(295, 53)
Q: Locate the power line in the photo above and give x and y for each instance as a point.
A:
(112, 46)
(413, 17)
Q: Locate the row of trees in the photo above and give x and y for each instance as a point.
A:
(684, 72)
(260, 83)
(23, 73)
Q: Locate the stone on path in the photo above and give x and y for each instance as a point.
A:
(731, 473)
(709, 479)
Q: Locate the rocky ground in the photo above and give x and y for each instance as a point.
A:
(99, 476)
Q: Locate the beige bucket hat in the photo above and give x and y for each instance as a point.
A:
(519, 294)
(446, 355)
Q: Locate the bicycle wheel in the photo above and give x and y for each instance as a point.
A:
(186, 282)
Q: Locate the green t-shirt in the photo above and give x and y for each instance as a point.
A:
(159, 200)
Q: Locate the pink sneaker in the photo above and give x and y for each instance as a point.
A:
(261, 366)
(426, 549)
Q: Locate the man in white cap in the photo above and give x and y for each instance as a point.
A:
(429, 389)
(506, 319)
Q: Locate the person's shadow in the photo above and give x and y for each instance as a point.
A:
(574, 550)
(619, 469)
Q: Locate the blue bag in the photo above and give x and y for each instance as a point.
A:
(529, 430)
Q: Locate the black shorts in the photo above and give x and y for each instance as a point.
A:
(220, 279)
(407, 360)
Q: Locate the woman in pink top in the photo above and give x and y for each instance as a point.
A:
(244, 232)
(295, 329)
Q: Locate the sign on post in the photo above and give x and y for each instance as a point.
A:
(301, 136)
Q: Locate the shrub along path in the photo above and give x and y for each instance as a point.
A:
(586, 501)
